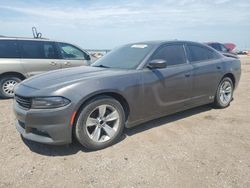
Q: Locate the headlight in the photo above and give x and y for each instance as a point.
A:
(49, 102)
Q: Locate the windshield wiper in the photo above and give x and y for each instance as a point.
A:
(103, 66)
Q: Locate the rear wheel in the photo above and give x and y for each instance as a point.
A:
(224, 93)
(100, 123)
(7, 85)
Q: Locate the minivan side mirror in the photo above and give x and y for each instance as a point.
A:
(87, 57)
(157, 64)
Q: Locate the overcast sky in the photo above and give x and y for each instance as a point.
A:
(109, 23)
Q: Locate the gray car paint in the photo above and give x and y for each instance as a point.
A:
(148, 93)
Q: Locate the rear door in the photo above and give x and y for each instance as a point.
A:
(38, 56)
(72, 56)
(207, 72)
(168, 89)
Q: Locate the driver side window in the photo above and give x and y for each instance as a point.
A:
(71, 52)
(172, 54)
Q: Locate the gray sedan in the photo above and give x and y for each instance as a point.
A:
(130, 85)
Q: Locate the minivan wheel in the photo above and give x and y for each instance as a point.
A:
(100, 123)
(224, 93)
(7, 85)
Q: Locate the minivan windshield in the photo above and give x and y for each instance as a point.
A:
(125, 57)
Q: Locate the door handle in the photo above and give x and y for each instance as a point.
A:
(53, 63)
(218, 67)
(67, 63)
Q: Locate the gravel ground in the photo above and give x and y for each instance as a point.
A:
(202, 147)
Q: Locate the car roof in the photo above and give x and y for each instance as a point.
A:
(165, 41)
(23, 38)
(160, 42)
(213, 43)
(37, 39)
(30, 38)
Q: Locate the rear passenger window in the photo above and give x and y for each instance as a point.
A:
(31, 50)
(215, 46)
(38, 50)
(200, 53)
(8, 49)
(172, 54)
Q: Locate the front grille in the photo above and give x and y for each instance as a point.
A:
(24, 102)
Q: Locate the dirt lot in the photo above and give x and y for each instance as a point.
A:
(202, 147)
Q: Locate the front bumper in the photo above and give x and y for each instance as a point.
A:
(49, 126)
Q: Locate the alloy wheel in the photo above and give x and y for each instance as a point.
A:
(226, 91)
(102, 123)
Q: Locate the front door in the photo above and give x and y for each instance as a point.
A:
(72, 56)
(169, 89)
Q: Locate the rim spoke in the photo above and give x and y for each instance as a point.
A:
(228, 89)
(225, 85)
(96, 134)
(221, 97)
(110, 131)
(91, 122)
(224, 98)
(102, 110)
(113, 116)
(227, 97)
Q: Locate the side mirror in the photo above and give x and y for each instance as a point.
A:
(87, 57)
(157, 64)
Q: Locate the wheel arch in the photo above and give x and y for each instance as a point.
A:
(116, 95)
(231, 76)
(16, 74)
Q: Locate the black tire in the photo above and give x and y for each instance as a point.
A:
(82, 132)
(3, 93)
(218, 103)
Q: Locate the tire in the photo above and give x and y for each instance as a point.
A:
(7, 85)
(95, 127)
(224, 93)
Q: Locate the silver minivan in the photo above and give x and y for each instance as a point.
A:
(21, 58)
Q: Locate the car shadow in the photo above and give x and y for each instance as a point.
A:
(58, 150)
(75, 147)
(167, 119)
(3, 99)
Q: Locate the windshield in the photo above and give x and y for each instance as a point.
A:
(125, 57)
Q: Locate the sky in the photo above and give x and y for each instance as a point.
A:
(96, 24)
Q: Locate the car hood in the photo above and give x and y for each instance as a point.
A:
(65, 77)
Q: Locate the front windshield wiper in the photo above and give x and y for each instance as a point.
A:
(103, 66)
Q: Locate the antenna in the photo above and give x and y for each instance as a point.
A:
(35, 33)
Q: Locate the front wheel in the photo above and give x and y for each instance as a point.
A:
(100, 123)
(224, 93)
